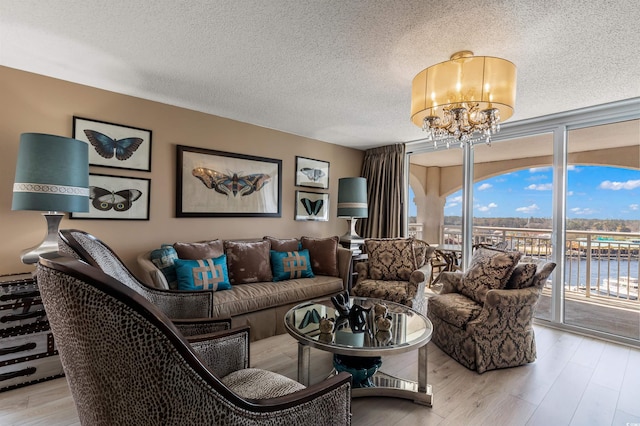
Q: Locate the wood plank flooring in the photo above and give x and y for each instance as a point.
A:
(576, 380)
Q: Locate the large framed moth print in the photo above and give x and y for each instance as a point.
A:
(117, 197)
(213, 183)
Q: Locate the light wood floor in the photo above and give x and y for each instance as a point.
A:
(575, 381)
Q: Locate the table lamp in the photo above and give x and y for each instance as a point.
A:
(52, 175)
(352, 204)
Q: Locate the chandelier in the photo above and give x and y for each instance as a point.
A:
(464, 99)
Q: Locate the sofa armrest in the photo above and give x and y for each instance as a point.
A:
(421, 275)
(224, 351)
(506, 309)
(199, 326)
(151, 275)
(344, 265)
(451, 282)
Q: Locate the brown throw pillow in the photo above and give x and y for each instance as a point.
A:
(391, 259)
(202, 250)
(324, 255)
(522, 276)
(286, 244)
(248, 262)
(490, 269)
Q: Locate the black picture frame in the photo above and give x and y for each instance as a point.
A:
(312, 206)
(212, 183)
(114, 145)
(117, 198)
(312, 173)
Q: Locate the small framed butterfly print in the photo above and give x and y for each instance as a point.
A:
(117, 197)
(114, 145)
(312, 206)
(224, 184)
(312, 173)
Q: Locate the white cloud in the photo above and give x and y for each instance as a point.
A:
(528, 209)
(630, 184)
(539, 169)
(453, 202)
(487, 207)
(569, 193)
(540, 187)
(634, 206)
(485, 186)
(581, 211)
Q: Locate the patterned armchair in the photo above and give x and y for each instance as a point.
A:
(483, 318)
(174, 304)
(126, 363)
(397, 270)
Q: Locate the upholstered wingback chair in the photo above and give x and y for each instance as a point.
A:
(174, 304)
(397, 269)
(483, 318)
(126, 363)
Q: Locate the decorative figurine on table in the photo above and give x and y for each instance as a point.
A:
(342, 303)
(356, 314)
(380, 310)
(326, 330)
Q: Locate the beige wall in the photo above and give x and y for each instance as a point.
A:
(34, 103)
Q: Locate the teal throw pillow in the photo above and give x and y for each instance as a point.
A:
(164, 258)
(290, 264)
(204, 274)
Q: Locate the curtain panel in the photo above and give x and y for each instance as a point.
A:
(384, 169)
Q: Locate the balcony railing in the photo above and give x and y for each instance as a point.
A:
(597, 263)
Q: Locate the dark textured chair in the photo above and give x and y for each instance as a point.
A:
(397, 269)
(488, 325)
(173, 303)
(126, 363)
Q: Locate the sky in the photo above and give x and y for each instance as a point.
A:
(594, 192)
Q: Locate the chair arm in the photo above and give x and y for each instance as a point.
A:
(421, 274)
(506, 308)
(331, 397)
(451, 282)
(224, 351)
(198, 326)
(517, 297)
(344, 265)
(362, 268)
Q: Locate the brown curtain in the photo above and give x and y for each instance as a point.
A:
(383, 168)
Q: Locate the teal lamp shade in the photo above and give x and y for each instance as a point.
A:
(352, 197)
(52, 174)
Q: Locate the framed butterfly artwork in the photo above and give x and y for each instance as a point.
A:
(312, 173)
(312, 206)
(117, 197)
(114, 145)
(224, 184)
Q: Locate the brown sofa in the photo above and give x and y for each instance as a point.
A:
(483, 318)
(254, 299)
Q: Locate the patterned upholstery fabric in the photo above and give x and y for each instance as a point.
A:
(248, 262)
(422, 252)
(156, 378)
(499, 335)
(522, 276)
(489, 269)
(173, 304)
(390, 259)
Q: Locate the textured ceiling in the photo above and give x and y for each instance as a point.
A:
(333, 70)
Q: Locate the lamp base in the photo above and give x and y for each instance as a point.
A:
(50, 242)
(351, 240)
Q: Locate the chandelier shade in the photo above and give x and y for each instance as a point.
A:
(465, 97)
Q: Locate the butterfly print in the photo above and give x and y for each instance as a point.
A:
(312, 207)
(107, 147)
(232, 183)
(120, 201)
(312, 174)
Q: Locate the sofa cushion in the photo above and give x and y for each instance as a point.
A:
(391, 258)
(203, 274)
(454, 308)
(284, 244)
(164, 259)
(243, 299)
(522, 276)
(290, 264)
(489, 269)
(324, 255)
(201, 250)
(543, 272)
(248, 262)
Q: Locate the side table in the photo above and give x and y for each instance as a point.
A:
(27, 351)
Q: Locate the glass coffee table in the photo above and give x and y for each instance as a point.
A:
(358, 346)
